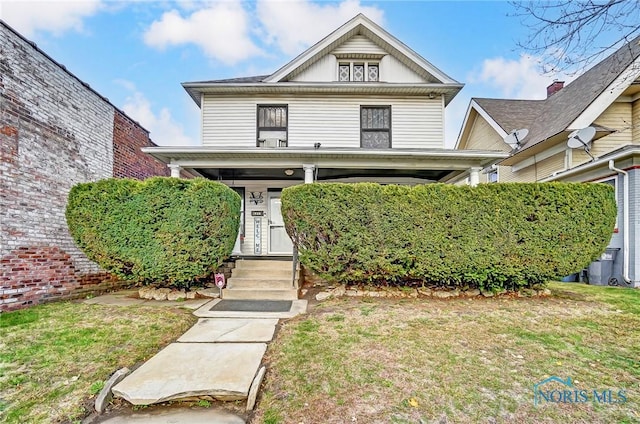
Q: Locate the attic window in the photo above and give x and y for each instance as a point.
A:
(358, 71)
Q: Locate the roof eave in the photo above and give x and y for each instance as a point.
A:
(448, 90)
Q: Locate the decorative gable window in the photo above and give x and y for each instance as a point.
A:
(358, 71)
(272, 125)
(375, 127)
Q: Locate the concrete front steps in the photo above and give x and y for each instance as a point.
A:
(258, 279)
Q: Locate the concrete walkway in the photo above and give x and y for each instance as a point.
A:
(219, 357)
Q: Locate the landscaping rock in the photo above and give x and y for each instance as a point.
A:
(177, 295)
(161, 294)
(339, 291)
(146, 293)
(210, 292)
(191, 295)
(105, 395)
(471, 293)
(487, 293)
(255, 386)
(323, 296)
(425, 291)
(527, 292)
(546, 292)
(351, 293)
(442, 294)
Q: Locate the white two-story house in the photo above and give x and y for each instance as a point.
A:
(359, 105)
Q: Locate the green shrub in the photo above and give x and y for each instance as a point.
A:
(161, 230)
(492, 236)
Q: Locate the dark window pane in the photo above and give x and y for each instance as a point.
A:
(358, 72)
(343, 73)
(375, 139)
(372, 71)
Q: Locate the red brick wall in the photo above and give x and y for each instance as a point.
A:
(128, 160)
(33, 275)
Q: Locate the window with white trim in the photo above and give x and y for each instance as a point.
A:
(375, 127)
(272, 127)
(358, 71)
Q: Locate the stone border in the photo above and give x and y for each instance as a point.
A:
(422, 292)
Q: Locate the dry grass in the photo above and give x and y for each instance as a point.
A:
(463, 361)
(55, 356)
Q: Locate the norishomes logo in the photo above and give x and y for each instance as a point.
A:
(564, 392)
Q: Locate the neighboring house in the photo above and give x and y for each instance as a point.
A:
(607, 98)
(357, 106)
(55, 131)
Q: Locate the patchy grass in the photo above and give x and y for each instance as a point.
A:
(463, 360)
(55, 356)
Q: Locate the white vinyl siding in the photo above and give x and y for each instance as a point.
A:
(358, 44)
(392, 70)
(324, 70)
(334, 122)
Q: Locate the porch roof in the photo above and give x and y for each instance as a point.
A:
(432, 164)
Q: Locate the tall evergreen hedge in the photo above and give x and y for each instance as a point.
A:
(492, 236)
(161, 230)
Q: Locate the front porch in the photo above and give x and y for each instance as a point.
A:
(260, 174)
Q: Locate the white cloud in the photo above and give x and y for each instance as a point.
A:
(220, 29)
(516, 79)
(294, 25)
(29, 17)
(164, 130)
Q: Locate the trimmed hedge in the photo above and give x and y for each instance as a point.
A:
(492, 237)
(161, 230)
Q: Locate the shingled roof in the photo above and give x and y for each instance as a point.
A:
(549, 117)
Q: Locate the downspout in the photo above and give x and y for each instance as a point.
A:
(625, 220)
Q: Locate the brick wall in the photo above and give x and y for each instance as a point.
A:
(55, 132)
(128, 160)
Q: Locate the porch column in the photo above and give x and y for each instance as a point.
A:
(474, 176)
(308, 173)
(175, 170)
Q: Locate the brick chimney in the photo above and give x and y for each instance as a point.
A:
(554, 88)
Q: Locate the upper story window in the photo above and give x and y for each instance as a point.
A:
(272, 123)
(375, 127)
(358, 71)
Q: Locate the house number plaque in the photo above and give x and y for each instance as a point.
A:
(257, 236)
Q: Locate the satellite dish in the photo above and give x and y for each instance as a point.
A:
(580, 139)
(515, 138)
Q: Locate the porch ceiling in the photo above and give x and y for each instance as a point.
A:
(404, 162)
(324, 174)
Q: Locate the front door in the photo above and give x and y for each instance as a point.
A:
(279, 241)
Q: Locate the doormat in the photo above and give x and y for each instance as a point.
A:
(252, 306)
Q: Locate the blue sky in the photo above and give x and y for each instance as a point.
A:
(136, 53)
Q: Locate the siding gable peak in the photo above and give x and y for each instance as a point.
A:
(362, 38)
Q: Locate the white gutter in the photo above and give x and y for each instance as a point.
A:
(625, 220)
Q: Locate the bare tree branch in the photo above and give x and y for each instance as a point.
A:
(570, 35)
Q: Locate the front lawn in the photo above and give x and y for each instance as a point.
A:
(55, 356)
(463, 361)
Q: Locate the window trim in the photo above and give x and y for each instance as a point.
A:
(351, 63)
(376, 129)
(259, 128)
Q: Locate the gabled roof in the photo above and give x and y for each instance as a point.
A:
(575, 106)
(360, 24)
(502, 115)
(436, 81)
